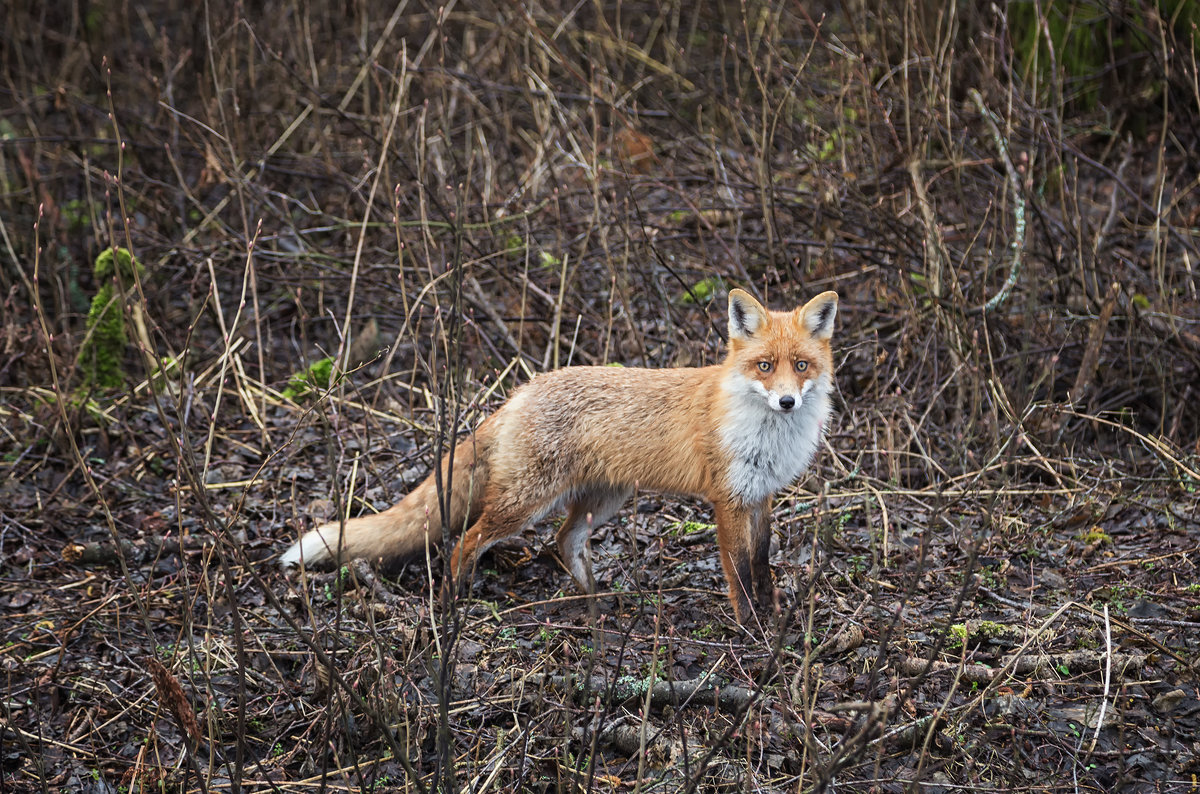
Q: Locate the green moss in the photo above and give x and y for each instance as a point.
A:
(103, 348)
(514, 246)
(691, 527)
(958, 636)
(989, 630)
(119, 261)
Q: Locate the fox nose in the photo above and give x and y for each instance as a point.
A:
(787, 402)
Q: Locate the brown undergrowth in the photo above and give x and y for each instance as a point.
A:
(402, 212)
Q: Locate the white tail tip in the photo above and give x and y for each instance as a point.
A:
(314, 548)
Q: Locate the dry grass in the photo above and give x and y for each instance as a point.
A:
(989, 580)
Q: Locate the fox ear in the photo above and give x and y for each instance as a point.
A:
(817, 315)
(746, 315)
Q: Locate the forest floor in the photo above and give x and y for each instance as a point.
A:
(987, 580)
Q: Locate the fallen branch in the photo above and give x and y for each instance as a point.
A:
(1025, 664)
(677, 694)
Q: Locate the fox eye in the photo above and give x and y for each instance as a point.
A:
(801, 366)
(765, 366)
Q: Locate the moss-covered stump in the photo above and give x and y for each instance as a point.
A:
(103, 349)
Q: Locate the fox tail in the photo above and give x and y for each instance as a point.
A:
(404, 529)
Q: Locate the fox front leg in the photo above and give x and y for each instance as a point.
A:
(734, 531)
(760, 564)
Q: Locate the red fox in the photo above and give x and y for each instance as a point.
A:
(585, 437)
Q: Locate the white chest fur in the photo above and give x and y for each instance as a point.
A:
(768, 449)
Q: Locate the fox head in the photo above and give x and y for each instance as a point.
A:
(784, 357)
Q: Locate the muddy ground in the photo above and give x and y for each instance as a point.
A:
(987, 581)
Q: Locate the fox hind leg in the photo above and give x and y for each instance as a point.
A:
(496, 521)
(585, 510)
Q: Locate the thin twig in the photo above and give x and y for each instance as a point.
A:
(1017, 244)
